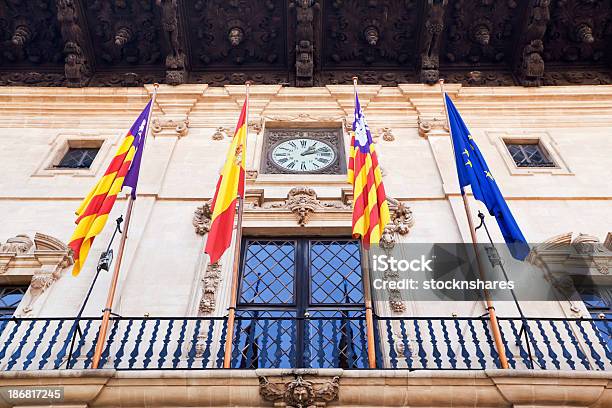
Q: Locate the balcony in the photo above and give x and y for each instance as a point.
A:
(190, 343)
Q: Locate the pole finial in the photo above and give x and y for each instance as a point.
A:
(155, 85)
(248, 83)
(441, 81)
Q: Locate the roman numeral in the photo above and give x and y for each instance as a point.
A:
(283, 160)
(291, 165)
(303, 166)
(303, 143)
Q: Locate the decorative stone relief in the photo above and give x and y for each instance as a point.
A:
(19, 245)
(202, 218)
(303, 202)
(561, 258)
(42, 259)
(386, 133)
(170, 127)
(221, 133)
(210, 283)
(432, 126)
(401, 222)
(299, 393)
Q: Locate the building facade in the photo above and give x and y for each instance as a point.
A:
(299, 338)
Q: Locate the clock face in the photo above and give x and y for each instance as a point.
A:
(303, 155)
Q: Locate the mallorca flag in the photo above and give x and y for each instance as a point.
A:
(229, 186)
(473, 171)
(370, 208)
(94, 210)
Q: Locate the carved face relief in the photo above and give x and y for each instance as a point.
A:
(482, 35)
(371, 35)
(235, 36)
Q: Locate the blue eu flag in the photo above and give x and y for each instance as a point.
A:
(473, 171)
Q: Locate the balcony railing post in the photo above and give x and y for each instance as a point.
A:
(367, 294)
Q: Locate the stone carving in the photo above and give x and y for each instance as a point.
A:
(401, 217)
(386, 133)
(303, 202)
(42, 259)
(179, 127)
(76, 65)
(210, 283)
(202, 218)
(221, 133)
(304, 48)
(299, 393)
(591, 246)
(251, 174)
(431, 36)
(19, 244)
(432, 125)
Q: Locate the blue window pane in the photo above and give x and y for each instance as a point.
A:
(265, 339)
(268, 274)
(10, 296)
(335, 272)
(340, 340)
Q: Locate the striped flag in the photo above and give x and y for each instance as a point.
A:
(370, 207)
(229, 186)
(123, 170)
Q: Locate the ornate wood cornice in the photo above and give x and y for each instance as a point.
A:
(305, 42)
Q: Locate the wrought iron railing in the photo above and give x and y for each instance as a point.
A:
(467, 343)
(320, 341)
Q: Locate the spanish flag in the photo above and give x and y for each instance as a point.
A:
(229, 187)
(370, 207)
(123, 170)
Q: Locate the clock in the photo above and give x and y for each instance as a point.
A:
(303, 155)
(303, 151)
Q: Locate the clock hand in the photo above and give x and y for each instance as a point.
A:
(308, 151)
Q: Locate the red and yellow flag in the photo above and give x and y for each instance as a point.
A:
(229, 187)
(370, 207)
(93, 212)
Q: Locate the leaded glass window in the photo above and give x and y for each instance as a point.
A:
(529, 155)
(598, 301)
(10, 296)
(78, 158)
(301, 304)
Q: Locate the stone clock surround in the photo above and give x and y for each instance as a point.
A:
(332, 136)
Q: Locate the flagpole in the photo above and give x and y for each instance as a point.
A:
(367, 295)
(227, 358)
(115, 279)
(499, 345)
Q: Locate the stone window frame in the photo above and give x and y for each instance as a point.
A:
(500, 140)
(60, 144)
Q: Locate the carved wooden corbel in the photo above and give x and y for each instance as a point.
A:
(77, 62)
